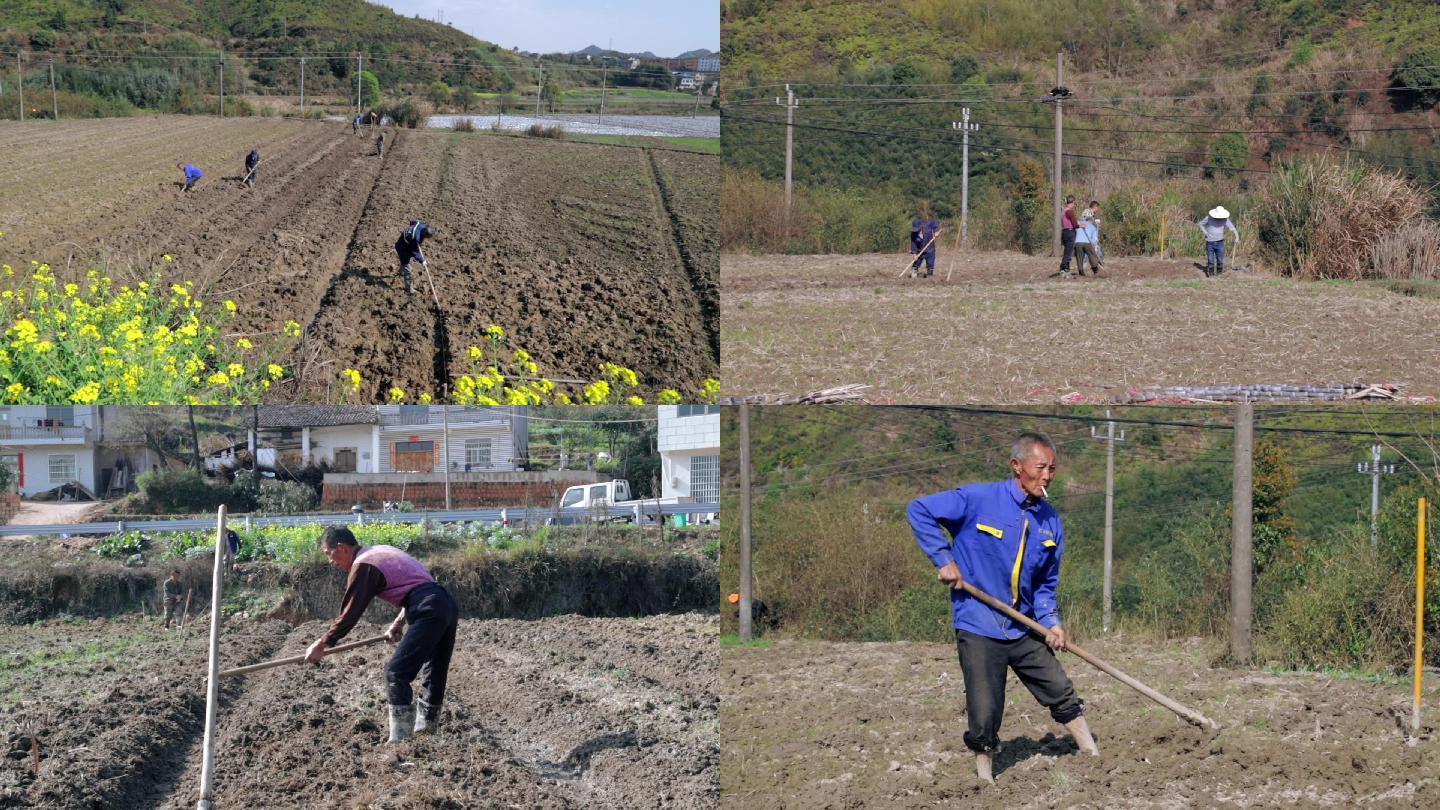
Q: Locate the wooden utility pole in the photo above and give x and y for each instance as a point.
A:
(222, 86)
(212, 678)
(790, 104)
(445, 449)
(539, 85)
(54, 101)
(20, 83)
(1110, 439)
(745, 629)
(1241, 542)
(302, 87)
(1059, 140)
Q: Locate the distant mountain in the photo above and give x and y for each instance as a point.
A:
(700, 54)
(593, 50)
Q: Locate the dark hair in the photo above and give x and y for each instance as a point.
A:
(174, 571)
(337, 536)
(1094, 203)
(1069, 198)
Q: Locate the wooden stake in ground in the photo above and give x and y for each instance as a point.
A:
(1185, 712)
(212, 679)
(185, 614)
(299, 659)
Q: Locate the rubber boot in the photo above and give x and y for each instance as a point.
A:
(427, 717)
(409, 282)
(402, 723)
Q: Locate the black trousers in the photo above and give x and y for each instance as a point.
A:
(431, 616)
(983, 662)
(1067, 242)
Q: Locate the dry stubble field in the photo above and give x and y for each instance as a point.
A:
(584, 253)
(1006, 329)
(852, 725)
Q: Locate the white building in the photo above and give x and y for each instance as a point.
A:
(394, 438)
(47, 446)
(689, 443)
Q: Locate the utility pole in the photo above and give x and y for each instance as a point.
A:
(604, 71)
(445, 451)
(54, 102)
(359, 69)
(1110, 439)
(539, 85)
(20, 76)
(965, 128)
(1059, 139)
(790, 104)
(1241, 542)
(302, 87)
(745, 628)
(1374, 469)
(222, 87)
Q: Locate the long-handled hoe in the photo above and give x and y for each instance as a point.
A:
(918, 257)
(1185, 712)
(298, 659)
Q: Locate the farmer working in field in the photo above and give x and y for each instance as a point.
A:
(192, 174)
(1214, 226)
(172, 597)
(1069, 223)
(408, 247)
(1087, 239)
(232, 549)
(252, 167)
(397, 578)
(1006, 539)
(923, 232)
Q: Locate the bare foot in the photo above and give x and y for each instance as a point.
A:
(983, 769)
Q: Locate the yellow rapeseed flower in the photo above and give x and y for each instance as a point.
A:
(354, 377)
(292, 329)
(475, 353)
(43, 347)
(229, 306)
(218, 378)
(669, 396)
(15, 389)
(168, 258)
(275, 371)
(244, 343)
(495, 332)
(634, 400)
(235, 370)
(425, 398)
(86, 394)
(397, 394)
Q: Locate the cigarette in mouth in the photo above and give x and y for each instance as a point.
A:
(1045, 492)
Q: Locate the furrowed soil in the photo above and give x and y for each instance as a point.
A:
(560, 712)
(1006, 329)
(850, 725)
(584, 253)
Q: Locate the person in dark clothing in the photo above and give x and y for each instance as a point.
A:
(380, 144)
(1069, 222)
(355, 124)
(232, 549)
(408, 247)
(424, 649)
(173, 590)
(924, 231)
(252, 167)
(192, 174)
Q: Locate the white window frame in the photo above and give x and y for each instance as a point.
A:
(50, 468)
(476, 459)
(706, 475)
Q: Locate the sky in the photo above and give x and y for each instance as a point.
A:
(663, 27)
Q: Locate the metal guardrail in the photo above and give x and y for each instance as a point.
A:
(11, 433)
(520, 515)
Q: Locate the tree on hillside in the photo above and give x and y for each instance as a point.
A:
(1230, 152)
(369, 89)
(439, 94)
(1274, 531)
(1417, 79)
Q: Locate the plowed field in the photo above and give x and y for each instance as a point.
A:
(565, 712)
(584, 253)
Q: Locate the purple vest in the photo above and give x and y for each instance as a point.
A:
(403, 573)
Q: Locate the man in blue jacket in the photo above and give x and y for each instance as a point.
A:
(192, 174)
(1007, 539)
(407, 247)
(923, 231)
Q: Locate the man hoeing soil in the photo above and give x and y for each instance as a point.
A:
(425, 649)
(1006, 539)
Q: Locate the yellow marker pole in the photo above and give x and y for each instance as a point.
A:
(1419, 611)
(1162, 237)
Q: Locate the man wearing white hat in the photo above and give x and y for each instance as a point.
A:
(1213, 226)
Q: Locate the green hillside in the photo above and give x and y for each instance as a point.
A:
(1173, 105)
(834, 553)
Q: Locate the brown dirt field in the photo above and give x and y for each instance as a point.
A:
(1006, 330)
(584, 253)
(849, 725)
(562, 712)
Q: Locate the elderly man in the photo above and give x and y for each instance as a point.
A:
(397, 578)
(1006, 539)
(1214, 226)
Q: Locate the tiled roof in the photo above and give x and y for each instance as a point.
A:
(299, 416)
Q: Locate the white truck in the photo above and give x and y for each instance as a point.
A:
(590, 503)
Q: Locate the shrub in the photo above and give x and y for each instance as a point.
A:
(285, 497)
(542, 131)
(120, 546)
(1319, 218)
(1408, 252)
(409, 113)
(464, 125)
(1417, 78)
(187, 492)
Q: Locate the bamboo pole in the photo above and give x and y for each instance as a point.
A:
(299, 659)
(1185, 712)
(1419, 612)
(212, 677)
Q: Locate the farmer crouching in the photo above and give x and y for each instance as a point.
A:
(1006, 539)
(425, 649)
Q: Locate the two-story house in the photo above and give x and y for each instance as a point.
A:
(689, 444)
(47, 446)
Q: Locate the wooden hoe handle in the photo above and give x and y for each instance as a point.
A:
(298, 659)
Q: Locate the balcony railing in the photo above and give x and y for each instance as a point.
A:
(434, 416)
(37, 430)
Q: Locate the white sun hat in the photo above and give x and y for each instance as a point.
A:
(1219, 212)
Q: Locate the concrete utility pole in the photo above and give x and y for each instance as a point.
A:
(965, 128)
(20, 83)
(790, 104)
(222, 87)
(1241, 542)
(302, 86)
(745, 628)
(1059, 140)
(445, 450)
(604, 71)
(1374, 469)
(54, 102)
(1110, 439)
(359, 69)
(539, 85)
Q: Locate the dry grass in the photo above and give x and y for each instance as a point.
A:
(1411, 251)
(1035, 339)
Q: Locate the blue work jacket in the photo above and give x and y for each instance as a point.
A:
(1005, 545)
